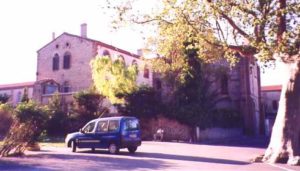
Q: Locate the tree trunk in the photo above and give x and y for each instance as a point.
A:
(284, 144)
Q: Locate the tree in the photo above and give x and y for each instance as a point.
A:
(265, 29)
(25, 97)
(113, 78)
(28, 123)
(88, 105)
(144, 103)
(57, 117)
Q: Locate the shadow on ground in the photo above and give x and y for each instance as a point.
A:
(79, 161)
(243, 141)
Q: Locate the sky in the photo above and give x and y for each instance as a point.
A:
(26, 26)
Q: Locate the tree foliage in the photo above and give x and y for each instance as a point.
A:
(88, 105)
(58, 119)
(145, 102)
(113, 78)
(29, 121)
(265, 29)
(5, 118)
(25, 97)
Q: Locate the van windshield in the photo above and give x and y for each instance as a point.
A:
(131, 124)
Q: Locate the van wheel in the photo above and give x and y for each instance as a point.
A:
(132, 149)
(74, 146)
(113, 148)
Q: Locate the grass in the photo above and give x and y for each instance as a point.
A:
(50, 142)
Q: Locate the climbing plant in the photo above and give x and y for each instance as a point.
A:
(113, 78)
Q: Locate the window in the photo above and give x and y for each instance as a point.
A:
(89, 128)
(224, 84)
(55, 62)
(134, 63)
(50, 88)
(146, 72)
(66, 87)
(102, 126)
(131, 124)
(275, 105)
(113, 125)
(121, 59)
(19, 97)
(106, 53)
(67, 60)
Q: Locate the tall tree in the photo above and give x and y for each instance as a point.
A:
(265, 29)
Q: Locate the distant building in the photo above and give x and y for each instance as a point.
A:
(270, 96)
(16, 91)
(63, 65)
(238, 88)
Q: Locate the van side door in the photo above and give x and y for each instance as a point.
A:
(108, 132)
(88, 139)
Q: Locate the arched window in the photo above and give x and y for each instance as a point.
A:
(224, 84)
(67, 60)
(134, 63)
(121, 59)
(106, 53)
(55, 62)
(146, 71)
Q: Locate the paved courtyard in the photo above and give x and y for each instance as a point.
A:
(150, 156)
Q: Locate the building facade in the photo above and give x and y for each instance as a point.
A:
(15, 92)
(63, 65)
(237, 88)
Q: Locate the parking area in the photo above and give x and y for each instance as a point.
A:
(150, 156)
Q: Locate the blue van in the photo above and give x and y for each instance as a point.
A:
(113, 133)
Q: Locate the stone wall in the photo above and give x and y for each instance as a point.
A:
(173, 130)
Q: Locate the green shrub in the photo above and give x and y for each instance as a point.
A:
(5, 118)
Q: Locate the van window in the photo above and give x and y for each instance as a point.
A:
(113, 125)
(89, 128)
(131, 124)
(102, 126)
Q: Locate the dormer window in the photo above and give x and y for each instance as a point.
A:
(55, 62)
(67, 60)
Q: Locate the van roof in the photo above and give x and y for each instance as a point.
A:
(114, 118)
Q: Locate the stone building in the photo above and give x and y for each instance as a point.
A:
(16, 91)
(238, 88)
(63, 65)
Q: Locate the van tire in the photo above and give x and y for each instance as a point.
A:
(113, 148)
(132, 149)
(74, 146)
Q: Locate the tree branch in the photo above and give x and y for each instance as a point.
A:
(281, 21)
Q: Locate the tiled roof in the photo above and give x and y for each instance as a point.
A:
(99, 42)
(16, 85)
(271, 88)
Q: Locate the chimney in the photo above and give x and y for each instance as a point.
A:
(53, 35)
(84, 30)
